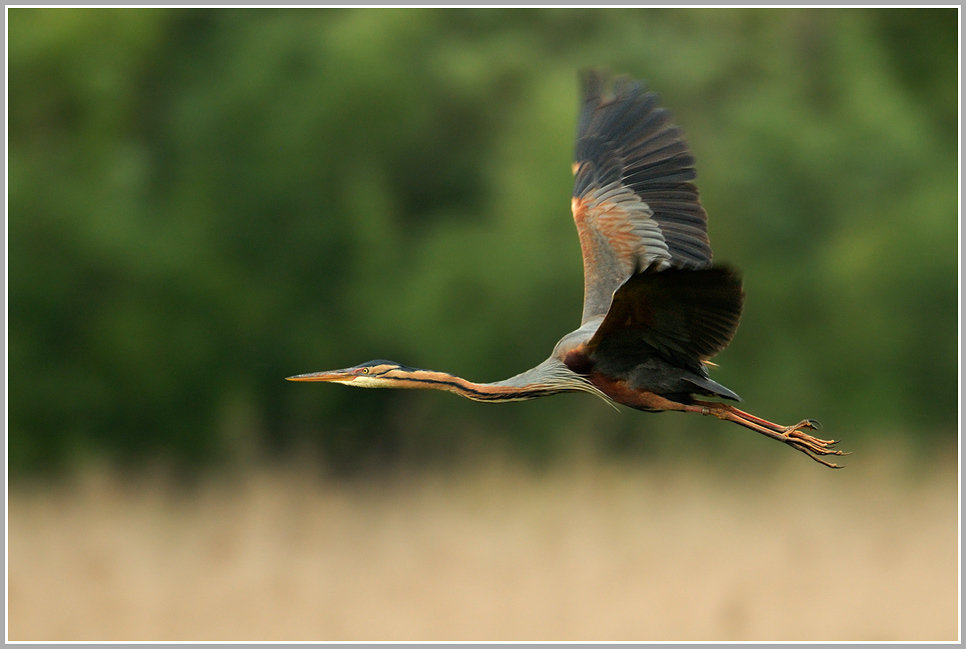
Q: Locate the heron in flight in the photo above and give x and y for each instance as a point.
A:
(655, 309)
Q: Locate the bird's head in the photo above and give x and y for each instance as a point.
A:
(374, 374)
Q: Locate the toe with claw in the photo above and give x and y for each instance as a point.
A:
(810, 445)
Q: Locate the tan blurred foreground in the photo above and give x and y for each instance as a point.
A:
(665, 552)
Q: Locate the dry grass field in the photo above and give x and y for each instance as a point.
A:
(585, 551)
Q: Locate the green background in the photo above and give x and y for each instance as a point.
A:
(203, 202)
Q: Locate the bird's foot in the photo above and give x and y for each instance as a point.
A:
(811, 446)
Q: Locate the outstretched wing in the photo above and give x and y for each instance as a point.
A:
(634, 204)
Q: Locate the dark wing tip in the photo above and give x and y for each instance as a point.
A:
(625, 136)
(602, 88)
(592, 82)
(599, 80)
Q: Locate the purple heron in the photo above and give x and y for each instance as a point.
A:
(655, 309)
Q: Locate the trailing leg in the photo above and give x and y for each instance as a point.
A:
(795, 436)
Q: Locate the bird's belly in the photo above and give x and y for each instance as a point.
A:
(620, 391)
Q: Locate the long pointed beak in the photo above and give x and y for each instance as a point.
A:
(331, 375)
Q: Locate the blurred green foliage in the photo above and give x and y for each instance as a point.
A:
(202, 202)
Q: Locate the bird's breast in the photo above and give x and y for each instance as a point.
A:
(578, 361)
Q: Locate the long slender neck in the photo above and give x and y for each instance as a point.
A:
(492, 392)
(550, 377)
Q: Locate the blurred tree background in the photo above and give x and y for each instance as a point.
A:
(203, 202)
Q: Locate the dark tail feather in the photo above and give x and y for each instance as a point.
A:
(713, 388)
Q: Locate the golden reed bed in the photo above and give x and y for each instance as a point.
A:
(584, 551)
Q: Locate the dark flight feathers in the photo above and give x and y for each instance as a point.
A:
(626, 138)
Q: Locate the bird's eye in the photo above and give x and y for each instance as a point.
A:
(365, 370)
